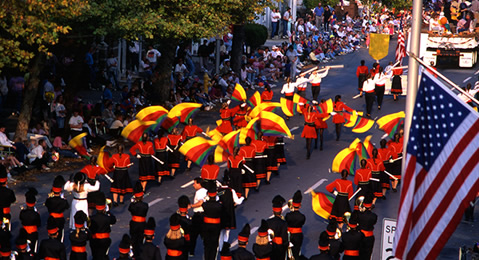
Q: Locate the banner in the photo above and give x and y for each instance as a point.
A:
(378, 46)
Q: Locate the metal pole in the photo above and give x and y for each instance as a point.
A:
(217, 56)
(413, 73)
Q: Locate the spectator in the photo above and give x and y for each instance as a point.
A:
(4, 141)
(60, 112)
(39, 156)
(107, 94)
(76, 123)
(107, 114)
(285, 19)
(63, 149)
(203, 53)
(21, 150)
(275, 17)
(180, 70)
(112, 70)
(117, 126)
(152, 55)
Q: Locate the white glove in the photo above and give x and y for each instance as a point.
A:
(335, 193)
(228, 102)
(301, 103)
(333, 113)
(242, 171)
(138, 156)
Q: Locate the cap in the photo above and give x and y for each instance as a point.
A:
(243, 236)
(175, 221)
(353, 220)
(80, 219)
(263, 229)
(30, 198)
(212, 191)
(79, 177)
(331, 228)
(297, 198)
(323, 241)
(21, 241)
(278, 202)
(150, 227)
(6, 249)
(125, 244)
(3, 174)
(368, 201)
(225, 251)
(58, 183)
(52, 226)
(100, 201)
(183, 202)
(138, 190)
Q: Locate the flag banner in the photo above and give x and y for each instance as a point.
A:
(350, 118)
(135, 129)
(391, 123)
(362, 125)
(347, 158)
(442, 171)
(152, 113)
(102, 160)
(400, 48)
(239, 94)
(322, 204)
(169, 124)
(273, 125)
(198, 149)
(378, 45)
(267, 106)
(326, 107)
(77, 144)
(184, 111)
(230, 141)
(254, 100)
(289, 107)
(365, 150)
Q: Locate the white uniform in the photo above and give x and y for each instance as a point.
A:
(80, 199)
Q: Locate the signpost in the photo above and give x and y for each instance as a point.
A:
(389, 229)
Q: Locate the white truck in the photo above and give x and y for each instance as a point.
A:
(454, 50)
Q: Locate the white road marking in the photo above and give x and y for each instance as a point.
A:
(294, 128)
(187, 184)
(466, 80)
(317, 184)
(477, 72)
(154, 202)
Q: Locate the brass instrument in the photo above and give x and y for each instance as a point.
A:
(347, 216)
(338, 234)
(290, 204)
(359, 202)
(290, 246)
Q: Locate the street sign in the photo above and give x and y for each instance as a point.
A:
(389, 229)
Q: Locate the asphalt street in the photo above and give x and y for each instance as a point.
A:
(299, 173)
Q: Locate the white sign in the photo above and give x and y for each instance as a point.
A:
(389, 229)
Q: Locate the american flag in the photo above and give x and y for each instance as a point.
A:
(400, 48)
(442, 171)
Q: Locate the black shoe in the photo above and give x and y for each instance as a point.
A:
(267, 182)
(122, 202)
(379, 107)
(384, 197)
(115, 204)
(188, 169)
(315, 147)
(395, 190)
(321, 148)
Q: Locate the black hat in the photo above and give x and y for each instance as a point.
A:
(323, 241)
(212, 191)
(3, 174)
(30, 198)
(263, 229)
(368, 201)
(79, 177)
(150, 227)
(80, 219)
(353, 220)
(278, 202)
(6, 249)
(331, 228)
(21, 241)
(125, 244)
(243, 236)
(52, 226)
(138, 190)
(175, 221)
(58, 183)
(100, 201)
(297, 198)
(183, 202)
(225, 251)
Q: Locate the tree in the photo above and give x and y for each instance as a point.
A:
(28, 28)
(311, 4)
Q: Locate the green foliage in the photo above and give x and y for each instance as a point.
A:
(397, 4)
(311, 4)
(29, 27)
(255, 34)
(247, 10)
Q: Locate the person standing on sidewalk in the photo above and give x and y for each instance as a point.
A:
(318, 14)
(275, 17)
(285, 20)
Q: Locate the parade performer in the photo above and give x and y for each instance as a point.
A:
(260, 160)
(174, 143)
(396, 147)
(361, 180)
(295, 221)
(380, 80)
(309, 130)
(174, 240)
(396, 85)
(51, 248)
(362, 74)
(262, 248)
(369, 89)
(335, 245)
(344, 188)
(138, 209)
(239, 118)
(225, 113)
(143, 150)
(8, 197)
(30, 219)
(56, 205)
(385, 154)
(352, 239)
(124, 248)
(100, 228)
(211, 224)
(201, 195)
(79, 237)
(366, 222)
(162, 154)
(279, 151)
(229, 201)
(377, 172)
(210, 171)
(235, 168)
(185, 221)
(121, 180)
(80, 189)
(241, 252)
(320, 125)
(248, 152)
(271, 160)
(267, 95)
(280, 228)
(323, 246)
(189, 132)
(149, 250)
(316, 79)
(338, 117)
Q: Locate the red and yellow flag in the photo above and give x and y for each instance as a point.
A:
(184, 111)
(152, 113)
(254, 100)
(77, 144)
(170, 123)
(267, 106)
(347, 159)
(391, 123)
(366, 148)
(103, 160)
(198, 149)
(239, 94)
(135, 129)
(299, 99)
(289, 107)
(326, 107)
(363, 125)
(322, 204)
(273, 125)
(229, 141)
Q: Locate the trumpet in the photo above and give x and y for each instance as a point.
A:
(338, 234)
(359, 202)
(290, 204)
(347, 216)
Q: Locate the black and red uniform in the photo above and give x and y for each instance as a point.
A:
(122, 183)
(31, 221)
(377, 172)
(259, 160)
(295, 221)
(272, 161)
(174, 145)
(211, 227)
(239, 118)
(235, 165)
(280, 240)
(248, 152)
(100, 229)
(209, 172)
(225, 126)
(190, 131)
(361, 180)
(8, 198)
(93, 171)
(309, 130)
(352, 241)
(341, 203)
(162, 155)
(396, 151)
(367, 220)
(52, 249)
(145, 150)
(279, 150)
(362, 74)
(339, 107)
(56, 205)
(138, 210)
(78, 239)
(384, 154)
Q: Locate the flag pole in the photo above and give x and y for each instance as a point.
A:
(413, 73)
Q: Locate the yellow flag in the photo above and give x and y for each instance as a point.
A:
(379, 45)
